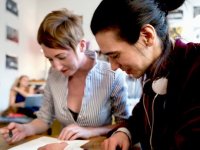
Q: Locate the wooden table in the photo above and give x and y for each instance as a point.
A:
(93, 144)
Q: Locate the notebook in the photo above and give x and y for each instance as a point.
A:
(34, 100)
(36, 143)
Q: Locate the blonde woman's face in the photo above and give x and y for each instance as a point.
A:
(24, 81)
(65, 61)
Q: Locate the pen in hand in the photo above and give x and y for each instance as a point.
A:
(10, 133)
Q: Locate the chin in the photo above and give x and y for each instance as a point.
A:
(67, 73)
(70, 73)
(130, 75)
(134, 75)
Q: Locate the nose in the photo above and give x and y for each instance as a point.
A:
(57, 65)
(114, 65)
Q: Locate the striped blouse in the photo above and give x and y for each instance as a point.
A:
(105, 94)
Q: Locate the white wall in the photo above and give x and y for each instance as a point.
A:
(31, 60)
(188, 22)
(81, 7)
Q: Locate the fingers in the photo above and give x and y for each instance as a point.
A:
(70, 132)
(6, 133)
(104, 145)
(12, 133)
(3, 130)
(71, 135)
(12, 125)
(75, 136)
(67, 134)
(117, 141)
(16, 137)
(109, 145)
(7, 136)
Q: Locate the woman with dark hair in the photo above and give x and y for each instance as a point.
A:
(134, 35)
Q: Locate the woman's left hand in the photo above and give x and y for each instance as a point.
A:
(73, 132)
(54, 146)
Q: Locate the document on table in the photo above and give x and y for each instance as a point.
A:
(36, 143)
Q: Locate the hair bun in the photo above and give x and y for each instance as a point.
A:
(169, 5)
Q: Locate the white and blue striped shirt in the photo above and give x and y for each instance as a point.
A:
(105, 94)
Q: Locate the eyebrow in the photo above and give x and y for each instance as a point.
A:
(110, 53)
(56, 55)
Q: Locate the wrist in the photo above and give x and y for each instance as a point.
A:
(91, 132)
(125, 131)
(28, 130)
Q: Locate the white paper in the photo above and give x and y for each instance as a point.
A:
(36, 143)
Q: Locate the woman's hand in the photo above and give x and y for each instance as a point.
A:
(54, 146)
(13, 133)
(73, 132)
(118, 140)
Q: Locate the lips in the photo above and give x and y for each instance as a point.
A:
(63, 71)
(124, 68)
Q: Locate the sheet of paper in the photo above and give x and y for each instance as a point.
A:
(36, 143)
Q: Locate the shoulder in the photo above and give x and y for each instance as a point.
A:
(186, 58)
(188, 47)
(186, 51)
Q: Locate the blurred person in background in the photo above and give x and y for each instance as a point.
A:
(19, 91)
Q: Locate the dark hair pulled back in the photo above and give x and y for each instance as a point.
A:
(127, 17)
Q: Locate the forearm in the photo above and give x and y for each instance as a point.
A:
(37, 126)
(21, 104)
(12, 97)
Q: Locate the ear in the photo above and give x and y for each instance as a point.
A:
(148, 34)
(82, 44)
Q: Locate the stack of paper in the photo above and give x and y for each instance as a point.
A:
(35, 144)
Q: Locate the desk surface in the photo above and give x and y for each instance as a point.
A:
(93, 144)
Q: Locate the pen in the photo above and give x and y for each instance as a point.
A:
(10, 133)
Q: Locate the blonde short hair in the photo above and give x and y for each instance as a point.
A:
(61, 29)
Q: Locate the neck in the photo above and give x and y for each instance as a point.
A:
(86, 65)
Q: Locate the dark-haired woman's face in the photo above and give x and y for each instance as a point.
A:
(133, 59)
